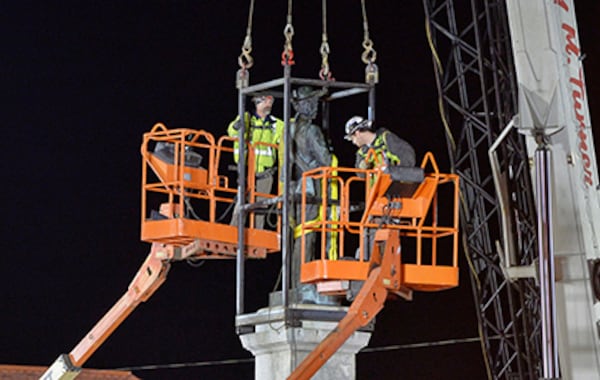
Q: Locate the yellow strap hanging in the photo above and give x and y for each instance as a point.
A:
(329, 190)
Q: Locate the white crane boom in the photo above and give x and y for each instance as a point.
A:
(554, 116)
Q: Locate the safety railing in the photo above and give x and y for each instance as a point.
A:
(225, 147)
(187, 192)
(425, 212)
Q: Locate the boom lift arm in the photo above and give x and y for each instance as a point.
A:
(399, 203)
(172, 173)
(151, 275)
(370, 300)
(148, 279)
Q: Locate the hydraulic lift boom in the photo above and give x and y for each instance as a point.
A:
(369, 302)
(400, 202)
(148, 279)
(172, 171)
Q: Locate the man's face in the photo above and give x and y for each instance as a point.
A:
(359, 138)
(264, 105)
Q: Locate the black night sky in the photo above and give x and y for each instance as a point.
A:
(83, 80)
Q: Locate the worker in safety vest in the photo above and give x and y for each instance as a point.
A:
(310, 151)
(386, 148)
(377, 148)
(262, 131)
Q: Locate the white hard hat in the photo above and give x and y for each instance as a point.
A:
(355, 123)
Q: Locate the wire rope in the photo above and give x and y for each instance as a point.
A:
(394, 347)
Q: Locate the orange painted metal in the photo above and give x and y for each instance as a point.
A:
(415, 219)
(429, 277)
(175, 236)
(382, 280)
(319, 270)
(433, 261)
(149, 278)
(219, 241)
(194, 178)
(207, 187)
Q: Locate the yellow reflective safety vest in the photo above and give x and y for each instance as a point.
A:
(389, 150)
(258, 133)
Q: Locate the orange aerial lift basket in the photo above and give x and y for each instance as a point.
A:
(419, 202)
(185, 191)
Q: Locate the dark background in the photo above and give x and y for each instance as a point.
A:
(81, 83)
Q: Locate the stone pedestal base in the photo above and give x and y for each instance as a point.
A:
(278, 348)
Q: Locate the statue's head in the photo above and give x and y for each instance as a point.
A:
(306, 101)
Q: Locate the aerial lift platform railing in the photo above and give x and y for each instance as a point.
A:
(177, 178)
(185, 186)
(410, 207)
(400, 203)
